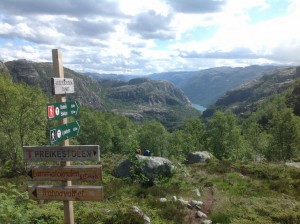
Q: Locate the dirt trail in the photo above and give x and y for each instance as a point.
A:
(208, 200)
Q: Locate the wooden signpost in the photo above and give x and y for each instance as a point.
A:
(63, 173)
(66, 193)
(63, 153)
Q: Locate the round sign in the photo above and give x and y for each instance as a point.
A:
(56, 111)
(58, 133)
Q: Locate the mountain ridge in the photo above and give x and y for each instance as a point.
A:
(246, 97)
(203, 87)
(160, 100)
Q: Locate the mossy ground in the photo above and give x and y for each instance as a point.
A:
(231, 192)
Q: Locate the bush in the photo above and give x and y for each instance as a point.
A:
(125, 217)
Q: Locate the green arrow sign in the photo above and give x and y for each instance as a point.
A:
(61, 110)
(63, 132)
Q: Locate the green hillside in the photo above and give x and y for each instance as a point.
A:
(141, 99)
(249, 96)
(247, 181)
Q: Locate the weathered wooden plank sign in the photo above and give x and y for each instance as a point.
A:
(62, 86)
(56, 111)
(61, 153)
(53, 173)
(66, 193)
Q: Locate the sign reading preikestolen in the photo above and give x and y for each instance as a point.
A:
(61, 153)
(53, 173)
(57, 111)
(62, 86)
(62, 132)
(66, 193)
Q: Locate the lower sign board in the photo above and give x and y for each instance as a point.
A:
(63, 132)
(61, 153)
(65, 193)
(64, 173)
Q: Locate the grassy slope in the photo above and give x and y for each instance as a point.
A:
(232, 193)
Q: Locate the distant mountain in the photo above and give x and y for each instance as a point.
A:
(99, 76)
(147, 98)
(205, 87)
(202, 87)
(178, 78)
(139, 98)
(87, 90)
(246, 97)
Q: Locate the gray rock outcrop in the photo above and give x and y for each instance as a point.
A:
(138, 211)
(150, 166)
(198, 157)
(294, 164)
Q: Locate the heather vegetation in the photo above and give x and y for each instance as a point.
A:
(247, 182)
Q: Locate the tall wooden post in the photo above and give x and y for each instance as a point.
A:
(59, 73)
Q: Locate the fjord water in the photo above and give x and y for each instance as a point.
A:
(199, 107)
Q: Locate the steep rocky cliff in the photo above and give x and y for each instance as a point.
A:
(151, 92)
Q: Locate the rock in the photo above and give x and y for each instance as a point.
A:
(123, 169)
(135, 209)
(198, 157)
(150, 166)
(195, 203)
(207, 221)
(174, 198)
(296, 164)
(184, 202)
(197, 192)
(163, 200)
(201, 214)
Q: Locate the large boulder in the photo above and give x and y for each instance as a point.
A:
(198, 157)
(294, 164)
(150, 166)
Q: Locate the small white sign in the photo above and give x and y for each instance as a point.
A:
(62, 86)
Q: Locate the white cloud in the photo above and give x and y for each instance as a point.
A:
(142, 36)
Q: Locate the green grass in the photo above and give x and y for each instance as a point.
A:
(242, 193)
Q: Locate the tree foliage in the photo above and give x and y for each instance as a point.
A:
(154, 136)
(224, 137)
(272, 132)
(22, 120)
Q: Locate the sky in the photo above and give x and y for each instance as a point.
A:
(151, 36)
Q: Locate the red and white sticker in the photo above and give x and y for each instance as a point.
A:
(51, 111)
